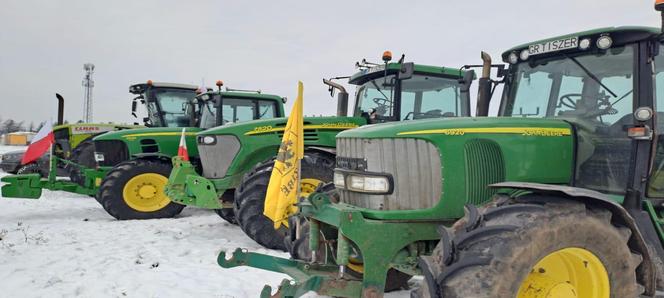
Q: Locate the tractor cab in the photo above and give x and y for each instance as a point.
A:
(166, 104)
(406, 91)
(217, 108)
(593, 80)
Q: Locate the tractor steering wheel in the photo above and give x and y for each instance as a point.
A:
(567, 101)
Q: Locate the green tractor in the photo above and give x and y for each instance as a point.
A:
(138, 162)
(170, 108)
(238, 159)
(570, 178)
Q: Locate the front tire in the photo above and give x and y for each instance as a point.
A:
(316, 168)
(135, 190)
(536, 245)
(82, 155)
(31, 168)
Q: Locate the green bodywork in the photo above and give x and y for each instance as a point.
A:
(259, 141)
(545, 151)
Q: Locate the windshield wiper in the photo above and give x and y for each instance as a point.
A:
(591, 75)
(377, 88)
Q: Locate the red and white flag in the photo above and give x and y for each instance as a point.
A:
(182, 149)
(40, 143)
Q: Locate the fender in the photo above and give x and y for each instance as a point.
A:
(645, 273)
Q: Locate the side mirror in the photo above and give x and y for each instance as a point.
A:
(133, 108)
(406, 71)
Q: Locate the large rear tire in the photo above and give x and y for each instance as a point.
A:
(317, 168)
(535, 246)
(135, 190)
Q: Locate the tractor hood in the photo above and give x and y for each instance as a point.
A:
(446, 163)
(460, 126)
(276, 125)
(139, 133)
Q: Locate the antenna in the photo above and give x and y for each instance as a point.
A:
(88, 84)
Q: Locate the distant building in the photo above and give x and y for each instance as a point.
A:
(19, 138)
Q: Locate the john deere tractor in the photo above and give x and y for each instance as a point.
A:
(138, 152)
(138, 161)
(238, 159)
(569, 177)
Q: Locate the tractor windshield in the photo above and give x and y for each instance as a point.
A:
(421, 96)
(167, 107)
(594, 92)
(593, 89)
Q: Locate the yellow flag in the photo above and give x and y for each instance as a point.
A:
(284, 187)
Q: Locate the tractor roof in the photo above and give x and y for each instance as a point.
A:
(247, 94)
(622, 35)
(378, 71)
(139, 88)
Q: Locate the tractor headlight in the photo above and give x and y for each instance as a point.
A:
(367, 182)
(207, 140)
(339, 180)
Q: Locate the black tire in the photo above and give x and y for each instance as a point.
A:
(84, 155)
(110, 193)
(489, 255)
(228, 214)
(298, 248)
(31, 168)
(250, 197)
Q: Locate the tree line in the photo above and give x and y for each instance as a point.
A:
(11, 125)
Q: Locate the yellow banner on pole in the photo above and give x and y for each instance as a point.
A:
(284, 187)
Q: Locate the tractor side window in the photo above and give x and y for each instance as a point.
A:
(429, 97)
(266, 109)
(238, 110)
(531, 87)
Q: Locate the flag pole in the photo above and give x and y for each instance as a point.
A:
(51, 165)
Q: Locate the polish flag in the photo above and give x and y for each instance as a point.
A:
(40, 144)
(182, 149)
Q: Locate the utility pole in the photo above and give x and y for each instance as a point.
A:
(88, 84)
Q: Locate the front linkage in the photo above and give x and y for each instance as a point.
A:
(185, 186)
(380, 246)
(29, 186)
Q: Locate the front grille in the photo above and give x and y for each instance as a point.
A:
(217, 157)
(114, 152)
(414, 164)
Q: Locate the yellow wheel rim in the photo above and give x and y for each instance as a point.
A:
(567, 273)
(308, 186)
(145, 192)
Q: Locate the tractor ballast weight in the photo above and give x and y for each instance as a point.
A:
(571, 172)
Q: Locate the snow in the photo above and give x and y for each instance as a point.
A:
(65, 245)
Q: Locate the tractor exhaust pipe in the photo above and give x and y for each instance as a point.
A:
(342, 97)
(61, 109)
(484, 88)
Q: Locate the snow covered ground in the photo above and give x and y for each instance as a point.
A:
(65, 245)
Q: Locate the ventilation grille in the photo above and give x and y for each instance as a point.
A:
(484, 166)
(309, 135)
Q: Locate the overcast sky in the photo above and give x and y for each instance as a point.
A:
(267, 45)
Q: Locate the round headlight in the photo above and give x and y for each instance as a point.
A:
(643, 114)
(209, 140)
(513, 58)
(584, 44)
(604, 42)
(524, 55)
